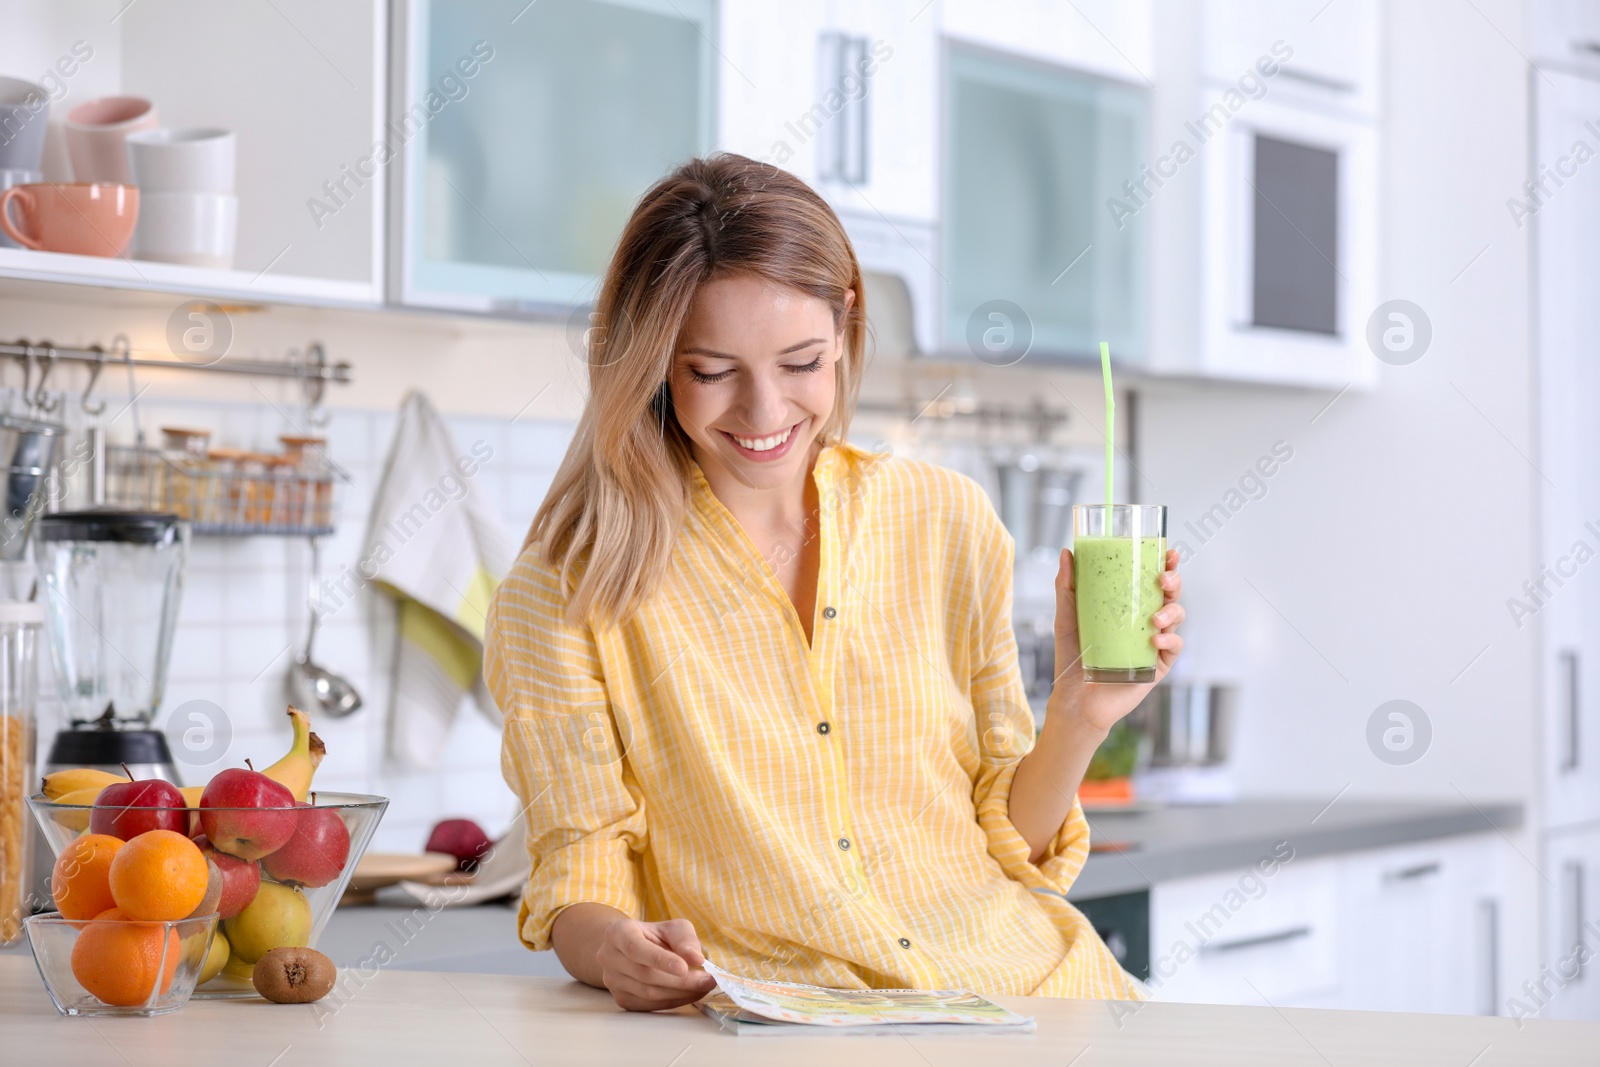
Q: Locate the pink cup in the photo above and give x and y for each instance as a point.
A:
(80, 218)
(96, 132)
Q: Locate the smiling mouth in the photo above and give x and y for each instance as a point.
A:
(763, 444)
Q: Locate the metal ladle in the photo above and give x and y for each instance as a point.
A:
(314, 688)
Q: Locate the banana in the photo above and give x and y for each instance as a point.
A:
(191, 794)
(295, 769)
(59, 784)
(77, 820)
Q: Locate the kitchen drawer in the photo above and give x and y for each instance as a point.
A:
(1248, 937)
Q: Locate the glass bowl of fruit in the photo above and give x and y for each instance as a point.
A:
(261, 851)
(113, 965)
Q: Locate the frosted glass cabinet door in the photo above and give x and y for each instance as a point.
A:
(517, 185)
(1035, 213)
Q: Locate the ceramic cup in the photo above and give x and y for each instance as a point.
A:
(196, 229)
(96, 132)
(24, 113)
(82, 218)
(8, 178)
(195, 160)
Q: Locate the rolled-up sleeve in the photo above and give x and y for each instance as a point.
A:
(1004, 722)
(561, 754)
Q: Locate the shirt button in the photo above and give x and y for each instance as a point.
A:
(905, 942)
(823, 727)
(844, 843)
(829, 613)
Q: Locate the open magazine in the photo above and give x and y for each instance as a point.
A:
(753, 1006)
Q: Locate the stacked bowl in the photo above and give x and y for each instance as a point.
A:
(188, 212)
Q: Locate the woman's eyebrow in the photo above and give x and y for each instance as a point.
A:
(807, 343)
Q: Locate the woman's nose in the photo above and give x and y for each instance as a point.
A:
(762, 404)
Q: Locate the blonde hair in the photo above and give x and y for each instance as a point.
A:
(611, 518)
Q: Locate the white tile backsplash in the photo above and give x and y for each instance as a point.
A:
(244, 615)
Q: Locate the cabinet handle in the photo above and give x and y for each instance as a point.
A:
(1321, 81)
(1407, 874)
(1489, 956)
(1572, 705)
(1590, 46)
(1572, 884)
(1279, 937)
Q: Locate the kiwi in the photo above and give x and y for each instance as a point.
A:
(293, 975)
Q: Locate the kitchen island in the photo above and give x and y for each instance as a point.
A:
(412, 1017)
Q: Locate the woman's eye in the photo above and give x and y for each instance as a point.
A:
(708, 379)
(807, 368)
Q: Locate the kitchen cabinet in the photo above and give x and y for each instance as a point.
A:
(1038, 259)
(1421, 925)
(1111, 38)
(1406, 928)
(576, 103)
(1565, 35)
(1332, 60)
(1288, 237)
(1564, 598)
(844, 99)
(1243, 937)
(311, 196)
(1570, 979)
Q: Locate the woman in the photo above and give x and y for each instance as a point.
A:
(761, 690)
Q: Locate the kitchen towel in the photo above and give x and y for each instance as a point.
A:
(438, 549)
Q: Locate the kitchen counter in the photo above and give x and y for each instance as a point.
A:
(1163, 844)
(411, 1017)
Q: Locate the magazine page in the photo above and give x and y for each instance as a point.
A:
(790, 1002)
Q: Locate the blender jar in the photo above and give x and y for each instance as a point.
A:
(111, 582)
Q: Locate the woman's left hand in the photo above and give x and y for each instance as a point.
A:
(1100, 705)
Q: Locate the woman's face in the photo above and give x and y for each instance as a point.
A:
(753, 381)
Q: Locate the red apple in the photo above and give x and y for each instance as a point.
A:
(463, 839)
(316, 853)
(128, 809)
(240, 878)
(246, 814)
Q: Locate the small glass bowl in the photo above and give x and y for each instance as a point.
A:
(144, 968)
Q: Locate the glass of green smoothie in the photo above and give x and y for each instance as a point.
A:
(1118, 552)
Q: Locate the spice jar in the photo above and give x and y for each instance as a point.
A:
(224, 504)
(316, 474)
(181, 476)
(19, 689)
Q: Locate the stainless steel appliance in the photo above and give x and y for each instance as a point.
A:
(1190, 725)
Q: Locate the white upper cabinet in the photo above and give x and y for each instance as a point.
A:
(301, 85)
(1111, 38)
(1565, 34)
(556, 117)
(1328, 52)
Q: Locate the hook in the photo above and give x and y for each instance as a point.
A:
(41, 398)
(120, 345)
(27, 374)
(94, 376)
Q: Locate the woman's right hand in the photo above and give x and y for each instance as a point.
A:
(652, 966)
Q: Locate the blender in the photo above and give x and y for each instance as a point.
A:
(111, 581)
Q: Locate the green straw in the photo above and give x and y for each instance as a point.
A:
(1111, 422)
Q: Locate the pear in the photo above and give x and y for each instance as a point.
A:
(216, 958)
(279, 915)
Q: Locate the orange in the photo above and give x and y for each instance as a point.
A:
(80, 881)
(160, 874)
(121, 962)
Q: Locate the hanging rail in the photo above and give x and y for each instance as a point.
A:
(313, 370)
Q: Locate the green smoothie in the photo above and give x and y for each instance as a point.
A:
(1117, 593)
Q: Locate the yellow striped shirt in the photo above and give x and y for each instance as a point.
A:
(831, 812)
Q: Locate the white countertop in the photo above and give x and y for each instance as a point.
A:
(411, 1017)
